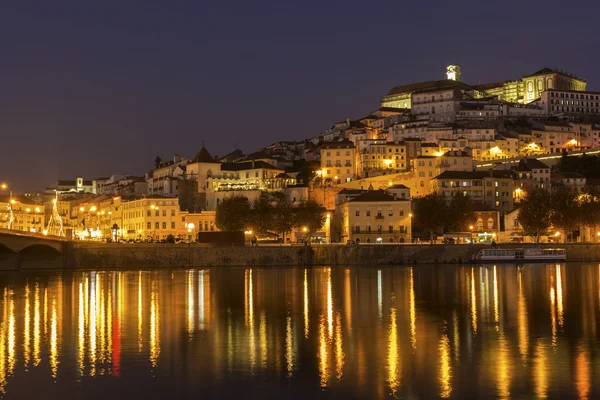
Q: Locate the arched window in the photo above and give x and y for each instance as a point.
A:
(530, 86)
(209, 173)
(490, 223)
(549, 83)
(540, 85)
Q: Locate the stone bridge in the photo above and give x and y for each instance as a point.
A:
(30, 250)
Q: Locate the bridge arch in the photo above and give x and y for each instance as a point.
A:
(40, 249)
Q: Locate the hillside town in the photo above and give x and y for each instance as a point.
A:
(493, 142)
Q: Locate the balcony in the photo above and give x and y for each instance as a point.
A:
(379, 217)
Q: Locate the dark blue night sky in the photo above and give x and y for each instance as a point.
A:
(95, 88)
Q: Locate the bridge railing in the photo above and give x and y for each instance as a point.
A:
(32, 235)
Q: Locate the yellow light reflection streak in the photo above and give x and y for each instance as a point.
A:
(140, 313)
(36, 326)
(523, 328)
(289, 347)
(81, 332)
(540, 371)
(503, 368)
(455, 336)
(553, 315)
(154, 326)
(3, 345)
(473, 303)
(445, 369)
(262, 332)
(413, 312)
(251, 338)
(339, 347)
(92, 324)
(323, 355)
(26, 330)
(379, 295)
(201, 300)
(11, 334)
(559, 295)
(496, 312)
(54, 341)
(190, 303)
(582, 373)
(393, 357)
(306, 316)
(329, 304)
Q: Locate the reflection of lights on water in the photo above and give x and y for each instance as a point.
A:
(339, 348)
(523, 329)
(26, 330)
(503, 372)
(553, 314)
(413, 312)
(473, 303)
(54, 341)
(323, 355)
(582, 372)
(393, 357)
(201, 299)
(92, 322)
(262, 332)
(289, 346)
(496, 312)
(81, 331)
(559, 295)
(190, 303)
(329, 304)
(347, 299)
(154, 326)
(11, 333)
(36, 326)
(379, 295)
(540, 372)
(250, 308)
(140, 313)
(455, 336)
(3, 346)
(445, 368)
(306, 320)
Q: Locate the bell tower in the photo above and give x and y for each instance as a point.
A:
(453, 72)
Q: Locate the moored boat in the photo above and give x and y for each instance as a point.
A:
(533, 254)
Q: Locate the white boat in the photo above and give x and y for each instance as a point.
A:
(526, 254)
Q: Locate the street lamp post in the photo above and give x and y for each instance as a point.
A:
(190, 228)
(9, 207)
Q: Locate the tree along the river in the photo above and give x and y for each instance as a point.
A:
(535, 212)
(430, 213)
(460, 213)
(565, 212)
(233, 214)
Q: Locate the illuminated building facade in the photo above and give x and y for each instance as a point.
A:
(338, 161)
(375, 216)
(525, 90)
(28, 216)
(493, 188)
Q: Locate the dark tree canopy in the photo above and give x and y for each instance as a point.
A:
(460, 213)
(535, 212)
(233, 214)
(430, 213)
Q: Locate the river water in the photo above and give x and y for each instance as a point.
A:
(396, 332)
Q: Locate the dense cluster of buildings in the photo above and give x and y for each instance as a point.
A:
(491, 141)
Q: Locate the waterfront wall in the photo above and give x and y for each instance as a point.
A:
(81, 255)
(87, 256)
